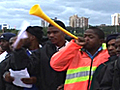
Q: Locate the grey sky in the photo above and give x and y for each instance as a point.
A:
(14, 12)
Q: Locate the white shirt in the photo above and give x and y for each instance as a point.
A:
(66, 42)
(2, 56)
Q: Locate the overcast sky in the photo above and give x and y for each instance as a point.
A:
(14, 12)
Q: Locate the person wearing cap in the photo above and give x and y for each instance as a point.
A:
(4, 39)
(110, 43)
(21, 59)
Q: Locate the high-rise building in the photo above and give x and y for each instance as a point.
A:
(76, 21)
(83, 22)
(115, 18)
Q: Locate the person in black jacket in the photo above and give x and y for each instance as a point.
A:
(50, 79)
(4, 42)
(110, 43)
(21, 58)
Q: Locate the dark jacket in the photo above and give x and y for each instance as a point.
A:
(103, 76)
(18, 60)
(49, 79)
(5, 66)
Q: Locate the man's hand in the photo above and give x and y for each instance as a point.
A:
(8, 78)
(30, 80)
(61, 87)
(80, 41)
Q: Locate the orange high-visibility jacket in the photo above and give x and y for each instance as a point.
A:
(77, 63)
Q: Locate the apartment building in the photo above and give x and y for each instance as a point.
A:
(115, 19)
(75, 21)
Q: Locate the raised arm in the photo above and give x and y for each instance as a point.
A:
(61, 60)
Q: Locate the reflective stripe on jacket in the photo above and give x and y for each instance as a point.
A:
(79, 74)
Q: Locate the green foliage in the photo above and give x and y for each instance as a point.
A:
(76, 31)
(45, 31)
(107, 30)
(9, 30)
(110, 29)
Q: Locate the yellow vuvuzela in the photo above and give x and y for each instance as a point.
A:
(36, 10)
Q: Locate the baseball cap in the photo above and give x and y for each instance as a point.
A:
(6, 36)
(36, 31)
(110, 37)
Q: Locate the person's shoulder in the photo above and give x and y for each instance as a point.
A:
(108, 63)
(48, 44)
(111, 59)
(4, 63)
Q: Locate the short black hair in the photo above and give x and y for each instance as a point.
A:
(59, 23)
(98, 31)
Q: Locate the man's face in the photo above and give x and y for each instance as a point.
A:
(55, 35)
(4, 44)
(26, 41)
(92, 40)
(111, 47)
(11, 41)
(117, 46)
(1, 50)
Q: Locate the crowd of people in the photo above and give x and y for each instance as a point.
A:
(59, 63)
